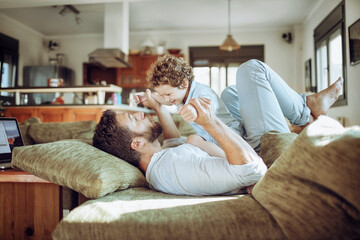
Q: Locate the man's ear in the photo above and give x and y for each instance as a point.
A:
(184, 83)
(137, 143)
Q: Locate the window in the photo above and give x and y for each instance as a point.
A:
(330, 59)
(217, 68)
(9, 53)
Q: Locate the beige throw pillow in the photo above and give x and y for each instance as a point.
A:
(78, 165)
(313, 188)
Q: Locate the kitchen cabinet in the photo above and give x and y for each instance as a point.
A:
(46, 114)
(127, 78)
(21, 114)
(61, 113)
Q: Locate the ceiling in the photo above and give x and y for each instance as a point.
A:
(160, 15)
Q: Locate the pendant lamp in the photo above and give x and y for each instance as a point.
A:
(229, 44)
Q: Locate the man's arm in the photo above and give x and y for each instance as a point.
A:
(211, 148)
(237, 151)
(169, 128)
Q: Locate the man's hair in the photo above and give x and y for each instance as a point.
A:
(114, 139)
(169, 69)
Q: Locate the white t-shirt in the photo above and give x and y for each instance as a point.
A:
(187, 170)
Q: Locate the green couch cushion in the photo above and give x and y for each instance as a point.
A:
(273, 144)
(78, 165)
(140, 213)
(24, 127)
(313, 188)
(55, 131)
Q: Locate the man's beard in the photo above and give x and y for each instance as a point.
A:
(156, 130)
(153, 133)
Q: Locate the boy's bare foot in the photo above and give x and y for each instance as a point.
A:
(319, 103)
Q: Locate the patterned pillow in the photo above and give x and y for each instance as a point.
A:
(313, 188)
(78, 165)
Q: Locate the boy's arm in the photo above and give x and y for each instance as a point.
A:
(237, 151)
(211, 148)
(169, 128)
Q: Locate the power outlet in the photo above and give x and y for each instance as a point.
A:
(341, 120)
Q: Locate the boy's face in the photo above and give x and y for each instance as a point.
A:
(173, 95)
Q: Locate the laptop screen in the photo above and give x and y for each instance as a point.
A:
(10, 138)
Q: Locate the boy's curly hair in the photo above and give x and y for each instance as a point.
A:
(169, 69)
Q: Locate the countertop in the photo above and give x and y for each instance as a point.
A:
(124, 107)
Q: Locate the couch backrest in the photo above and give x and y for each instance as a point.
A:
(37, 132)
(313, 189)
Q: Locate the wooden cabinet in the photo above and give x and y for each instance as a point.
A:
(86, 114)
(21, 114)
(67, 114)
(128, 78)
(30, 206)
(55, 114)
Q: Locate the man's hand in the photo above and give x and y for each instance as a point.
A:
(188, 112)
(147, 100)
(205, 112)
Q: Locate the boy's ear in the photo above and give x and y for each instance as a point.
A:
(184, 83)
(137, 143)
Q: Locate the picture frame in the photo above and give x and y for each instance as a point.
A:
(308, 83)
(354, 42)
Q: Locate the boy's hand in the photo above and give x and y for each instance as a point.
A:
(188, 112)
(147, 100)
(139, 97)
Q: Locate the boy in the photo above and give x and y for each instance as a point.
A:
(257, 104)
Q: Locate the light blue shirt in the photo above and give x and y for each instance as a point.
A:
(201, 90)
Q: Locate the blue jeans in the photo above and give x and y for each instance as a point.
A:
(260, 100)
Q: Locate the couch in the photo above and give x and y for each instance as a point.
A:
(311, 189)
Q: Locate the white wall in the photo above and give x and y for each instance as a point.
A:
(351, 112)
(31, 48)
(278, 54)
(76, 50)
(286, 59)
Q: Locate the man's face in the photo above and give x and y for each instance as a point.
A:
(173, 95)
(140, 125)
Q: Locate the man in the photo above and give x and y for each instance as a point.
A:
(180, 168)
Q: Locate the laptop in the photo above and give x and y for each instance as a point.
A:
(10, 137)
